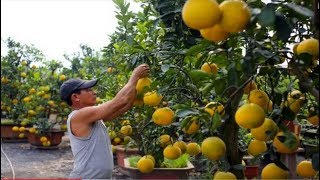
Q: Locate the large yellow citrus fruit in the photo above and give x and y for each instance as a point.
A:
(165, 140)
(163, 116)
(214, 33)
(213, 148)
(289, 138)
(266, 131)
(150, 157)
(257, 147)
(200, 14)
(172, 152)
(213, 107)
(182, 145)
(145, 165)
(62, 77)
(293, 104)
(193, 127)
(152, 98)
(32, 130)
(259, 97)
(314, 120)
(126, 130)
(193, 149)
(22, 129)
(224, 175)
(249, 87)
(310, 46)
(43, 139)
(235, 15)
(142, 83)
(15, 128)
(211, 68)
(250, 116)
(305, 169)
(272, 171)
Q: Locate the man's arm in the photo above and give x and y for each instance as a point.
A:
(122, 102)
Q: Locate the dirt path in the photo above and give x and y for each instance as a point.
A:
(30, 162)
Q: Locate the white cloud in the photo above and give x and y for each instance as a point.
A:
(59, 26)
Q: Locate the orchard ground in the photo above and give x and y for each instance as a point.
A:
(30, 162)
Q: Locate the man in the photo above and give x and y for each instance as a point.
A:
(90, 143)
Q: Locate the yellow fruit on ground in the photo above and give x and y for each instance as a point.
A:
(32, 130)
(22, 129)
(224, 175)
(193, 127)
(142, 83)
(165, 140)
(172, 152)
(235, 15)
(305, 169)
(314, 120)
(293, 104)
(21, 135)
(289, 138)
(126, 130)
(272, 171)
(163, 116)
(213, 107)
(211, 68)
(145, 165)
(15, 128)
(213, 148)
(249, 87)
(152, 98)
(266, 132)
(214, 33)
(182, 145)
(310, 46)
(257, 147)
(250, 116)
(193, 149)
(200, 14)
(259, 97)
(43, 139)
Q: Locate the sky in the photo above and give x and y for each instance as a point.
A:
(58, 27)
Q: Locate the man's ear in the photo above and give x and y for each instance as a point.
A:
(75, 97)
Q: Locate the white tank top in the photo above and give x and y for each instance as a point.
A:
(93, 158)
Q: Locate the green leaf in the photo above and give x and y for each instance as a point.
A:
(267, 16)
(220, 85)
(186, 112)
(198, 48)
(283, 28)
(300, 9)
(216, 121)
(198, 75)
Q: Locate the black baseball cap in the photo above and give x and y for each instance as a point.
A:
(71, 85)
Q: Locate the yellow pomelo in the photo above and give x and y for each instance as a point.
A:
(266, 131)
(150, 157)
(213, 107)
(314, 120)
(165, 140)
(22, 129)
(272, 171)
(305, 169)
(235, 15)
(172, 152)
(293, 104)
(296, 94)
(310, 46)
(193, 149)
(32, 130)
(182, 145)
(193, 127)
(21, 135)
(259, 97)
(43, 139)
(257, 147)
(145, 165)
(200, 14)
(211, 68)
(213, 148)
(152, 98)
(142, 83)
(126, 130)
(249, 87)
(163, 116)
(224, 175)
(289, 138)
(214, 33)
(250, 116)
(15, 128)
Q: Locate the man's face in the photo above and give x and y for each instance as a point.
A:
(87, 97)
